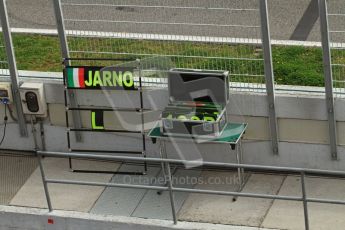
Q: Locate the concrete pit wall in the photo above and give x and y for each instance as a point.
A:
(303, 127)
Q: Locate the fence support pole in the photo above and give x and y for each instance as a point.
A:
(328, 78)
(269, 75)
(65, 54)
(12, 65)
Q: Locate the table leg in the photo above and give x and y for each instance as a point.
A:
(240, 171)
(162, 153)
(241, 154)
(167, 178)
(169, 183)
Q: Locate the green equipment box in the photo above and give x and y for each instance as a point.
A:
(197, 103)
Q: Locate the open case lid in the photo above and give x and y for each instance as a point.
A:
(198, 85)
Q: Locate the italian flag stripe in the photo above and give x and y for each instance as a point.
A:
(70, 77)
(75, 77)
(81, 78)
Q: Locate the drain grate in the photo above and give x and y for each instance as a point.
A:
(15, 169)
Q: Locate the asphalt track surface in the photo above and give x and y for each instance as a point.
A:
(289, 19)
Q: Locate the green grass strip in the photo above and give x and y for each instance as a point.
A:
(293, 65)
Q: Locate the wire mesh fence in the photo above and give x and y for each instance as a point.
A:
(3, 58)
(207, 34)
(336, 17)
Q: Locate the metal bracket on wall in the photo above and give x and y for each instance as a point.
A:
(327, 60)
(12, 68)
(72, 97)
(269, 75)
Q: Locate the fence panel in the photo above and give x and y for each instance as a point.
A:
(336, 18)
(205, 34)
(4, 72)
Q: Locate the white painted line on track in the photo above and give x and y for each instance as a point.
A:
(167, 37)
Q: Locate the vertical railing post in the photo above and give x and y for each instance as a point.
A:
(305, 202)
(327, 60)
(168, 179)
(269, 75)
(12, 65)
(44, 181)
(142, 116)
(65, 55)
(171, 193)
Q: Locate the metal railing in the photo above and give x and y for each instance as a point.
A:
(171, 188)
